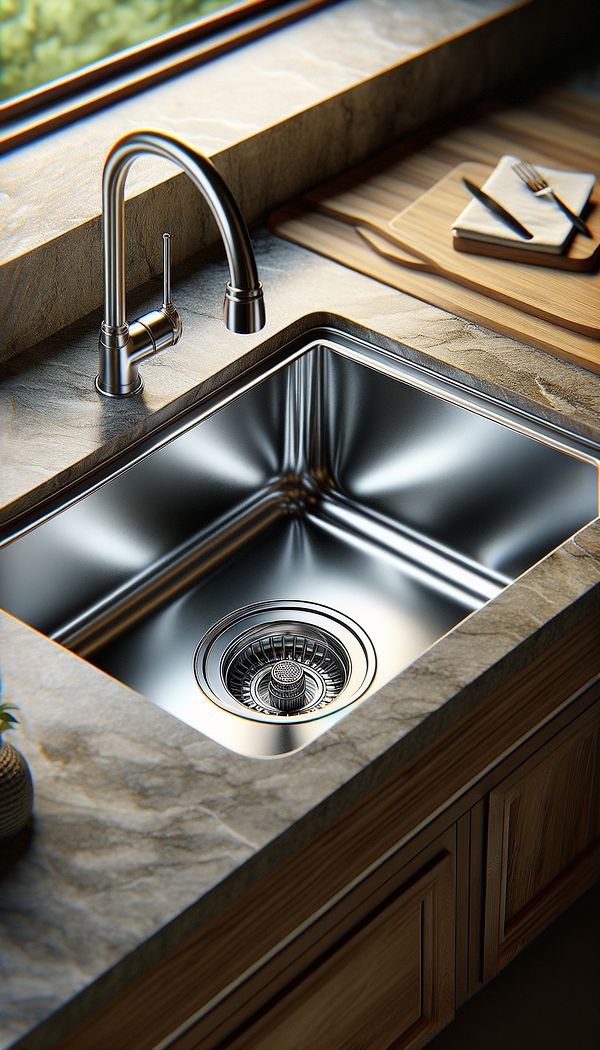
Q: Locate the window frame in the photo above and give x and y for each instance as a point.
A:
(68, 98)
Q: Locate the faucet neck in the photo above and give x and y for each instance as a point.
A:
(204, 175)
(122, 346)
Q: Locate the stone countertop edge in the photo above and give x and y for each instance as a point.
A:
(104, 888)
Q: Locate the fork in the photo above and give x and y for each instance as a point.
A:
(535, 181)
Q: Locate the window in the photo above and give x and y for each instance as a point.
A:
(61, 59)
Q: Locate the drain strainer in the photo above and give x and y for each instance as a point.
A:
(295, 667)
(284, 659)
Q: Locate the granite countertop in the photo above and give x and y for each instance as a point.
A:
(144, 827)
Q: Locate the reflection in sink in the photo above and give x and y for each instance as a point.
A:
(338, 496)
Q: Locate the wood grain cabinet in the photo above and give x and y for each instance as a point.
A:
(385, 968)
(387, 981)
(543, 840)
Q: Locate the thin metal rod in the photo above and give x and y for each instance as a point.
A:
(166, 269)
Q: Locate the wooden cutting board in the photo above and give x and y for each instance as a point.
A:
(342, 242)
(571, 300)
(559, 129)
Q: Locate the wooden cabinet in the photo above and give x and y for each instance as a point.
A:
(386, 966)
(389, 981)
(543, 840)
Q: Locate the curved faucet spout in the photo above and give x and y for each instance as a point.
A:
(123, 346)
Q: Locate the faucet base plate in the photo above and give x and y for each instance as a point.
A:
(127, 393)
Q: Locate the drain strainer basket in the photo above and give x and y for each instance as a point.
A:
(284, 660)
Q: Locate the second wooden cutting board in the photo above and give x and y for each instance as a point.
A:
(571, 300)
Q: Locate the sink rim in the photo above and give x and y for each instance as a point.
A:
(369, 356)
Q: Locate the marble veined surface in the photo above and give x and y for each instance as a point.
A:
(144, 827)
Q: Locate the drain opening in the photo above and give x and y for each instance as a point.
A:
(257, 663)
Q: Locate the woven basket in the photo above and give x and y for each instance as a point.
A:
(16, 791)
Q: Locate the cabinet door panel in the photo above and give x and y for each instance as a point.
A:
(542, 840)
(390, 982)
(548, 821)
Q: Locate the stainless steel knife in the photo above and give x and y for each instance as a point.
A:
(497, 209)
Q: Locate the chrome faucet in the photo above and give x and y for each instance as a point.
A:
(122, 345)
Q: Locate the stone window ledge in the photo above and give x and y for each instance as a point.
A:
(277, 115)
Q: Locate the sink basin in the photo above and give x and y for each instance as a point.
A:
(279, 553)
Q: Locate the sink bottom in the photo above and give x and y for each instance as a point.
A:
(305, 557)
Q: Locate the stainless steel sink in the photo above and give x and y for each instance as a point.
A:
(276, 555)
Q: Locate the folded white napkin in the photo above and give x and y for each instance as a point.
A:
(550, 227)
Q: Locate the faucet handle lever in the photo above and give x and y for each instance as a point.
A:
(167, 301)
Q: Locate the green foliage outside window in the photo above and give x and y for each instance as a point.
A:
(44, 39)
